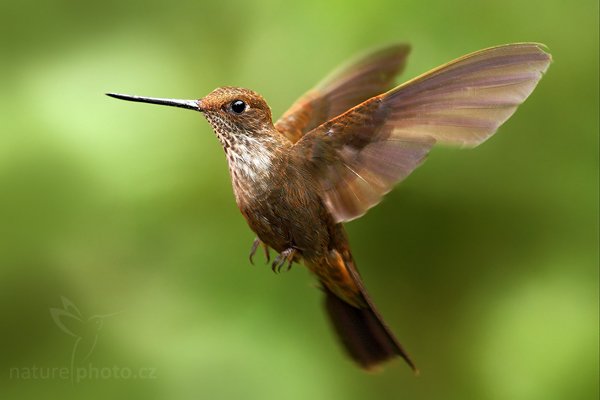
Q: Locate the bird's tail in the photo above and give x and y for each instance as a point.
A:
(360, 328)
(363, 332)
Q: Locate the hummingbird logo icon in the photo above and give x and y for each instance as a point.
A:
(85, 331)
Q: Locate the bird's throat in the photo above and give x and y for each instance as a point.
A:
(252, 163)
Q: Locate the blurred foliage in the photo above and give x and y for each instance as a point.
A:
(484, 262)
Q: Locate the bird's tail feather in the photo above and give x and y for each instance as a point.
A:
(363, 332)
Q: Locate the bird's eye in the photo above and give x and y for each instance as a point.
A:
(238, 106)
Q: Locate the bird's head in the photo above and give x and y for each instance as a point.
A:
(234, 113)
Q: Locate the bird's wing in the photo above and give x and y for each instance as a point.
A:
(347, 86)
(68, 322)
(360, 155)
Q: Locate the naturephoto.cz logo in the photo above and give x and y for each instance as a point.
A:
(79, 374)
(85, 333)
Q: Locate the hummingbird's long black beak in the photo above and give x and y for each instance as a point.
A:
(189, 104)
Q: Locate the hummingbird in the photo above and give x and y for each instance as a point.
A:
(84, 330)
(341, 147)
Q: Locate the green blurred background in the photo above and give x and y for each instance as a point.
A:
(484, 262)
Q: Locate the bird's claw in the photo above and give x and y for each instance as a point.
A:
(286, 256)
(254, 247)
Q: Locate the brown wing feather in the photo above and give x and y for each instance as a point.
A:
(347, 86)
(360, 155)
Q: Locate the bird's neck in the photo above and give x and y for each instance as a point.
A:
(253, 160)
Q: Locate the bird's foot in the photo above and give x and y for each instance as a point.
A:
(286, 256)
(255, 245)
